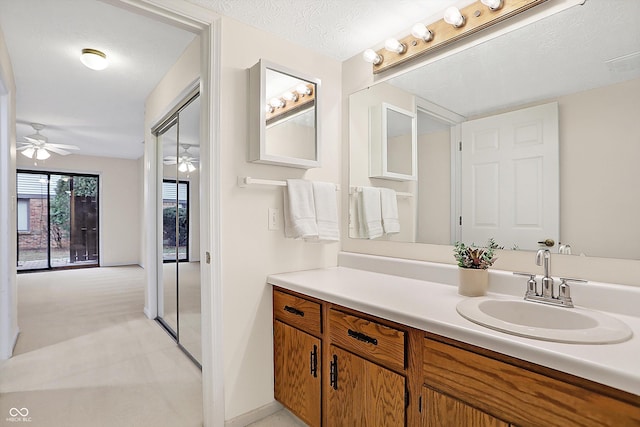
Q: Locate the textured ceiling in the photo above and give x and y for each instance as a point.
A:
(337, 28)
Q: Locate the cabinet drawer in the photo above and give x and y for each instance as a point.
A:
(518, 395)
(296, 311)
(368, 339)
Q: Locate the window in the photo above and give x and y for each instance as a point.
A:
(23, 215)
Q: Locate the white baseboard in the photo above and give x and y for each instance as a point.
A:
(255, 415)
(12, 345)
(147, 313)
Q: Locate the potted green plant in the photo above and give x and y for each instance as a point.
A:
(474, 262)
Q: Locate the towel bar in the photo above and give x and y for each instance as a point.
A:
(354, 190)
(245, 181)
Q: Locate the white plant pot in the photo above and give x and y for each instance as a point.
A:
(473, 282)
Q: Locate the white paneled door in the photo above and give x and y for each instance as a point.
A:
(509, 179)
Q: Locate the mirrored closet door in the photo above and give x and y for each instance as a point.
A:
(178, 139)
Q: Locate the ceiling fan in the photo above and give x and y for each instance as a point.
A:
(38, 146)
(185, 162)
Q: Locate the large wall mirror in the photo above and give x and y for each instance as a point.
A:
(284, 117)
(585, 63)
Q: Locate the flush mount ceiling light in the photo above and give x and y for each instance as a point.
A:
(455, 25)
(94, 59)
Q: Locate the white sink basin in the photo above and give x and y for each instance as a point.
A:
(544, 322)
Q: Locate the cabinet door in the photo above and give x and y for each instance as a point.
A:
(297, 364)
(440, 410)
(362, 393)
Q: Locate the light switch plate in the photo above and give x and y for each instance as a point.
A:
(274, 219)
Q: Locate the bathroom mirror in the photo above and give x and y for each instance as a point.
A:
(594, 76)
(392, 143)
(284, 119)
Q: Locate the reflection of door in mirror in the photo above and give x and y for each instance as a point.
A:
(510, 178)
(178, 139)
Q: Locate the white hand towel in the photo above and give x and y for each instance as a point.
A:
(370, 212)
(299, 210)
(390, 219)
(324, 198)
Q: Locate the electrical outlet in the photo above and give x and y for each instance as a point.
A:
(274, 219)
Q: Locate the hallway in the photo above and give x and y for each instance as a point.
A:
(87, 356)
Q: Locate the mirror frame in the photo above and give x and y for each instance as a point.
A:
(257, 117)
(379, 143)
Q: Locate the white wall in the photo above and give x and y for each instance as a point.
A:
(119, 203)
(250, 251)
(8, 244)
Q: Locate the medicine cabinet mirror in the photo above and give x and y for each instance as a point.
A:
(284, 117)
(392, 143)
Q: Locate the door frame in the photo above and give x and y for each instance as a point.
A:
(207, 24)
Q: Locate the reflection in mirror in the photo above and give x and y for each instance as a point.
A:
(284, 125)
(595, 79)
(179, 308)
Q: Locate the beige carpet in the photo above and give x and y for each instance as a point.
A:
(87, 356)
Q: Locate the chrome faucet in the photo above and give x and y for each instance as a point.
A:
(543, 258)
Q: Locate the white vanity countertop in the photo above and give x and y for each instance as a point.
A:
(431, 307)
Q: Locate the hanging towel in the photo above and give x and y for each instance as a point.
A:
(370, 213)
(389, 202)
(324, 198)
(299, 210)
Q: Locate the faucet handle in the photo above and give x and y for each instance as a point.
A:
(564, 292)
(532, 285)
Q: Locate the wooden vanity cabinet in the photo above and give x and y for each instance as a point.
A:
(298, 356)
(480, 388)
(363, 390)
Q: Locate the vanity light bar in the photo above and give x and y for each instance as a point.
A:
(291, 101)
(477, 16)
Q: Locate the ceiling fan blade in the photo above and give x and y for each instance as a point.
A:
(24, 147)
(63, 146)
(57, 150)
(33, 140)
(172, 158)
(170, 162)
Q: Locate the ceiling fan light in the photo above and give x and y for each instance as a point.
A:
(94, 59)
(29, 152)
(183, 167)
(190, 167)
(42, 154)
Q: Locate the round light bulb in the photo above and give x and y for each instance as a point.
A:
(94, 59)
(420, 31)
(394, 45)
(492, 4)
(303, 89)
(290, 96)
(276, 102)
(371, 56)
(268, 108)
(453, 16)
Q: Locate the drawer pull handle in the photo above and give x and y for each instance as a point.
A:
(294, 310)
(314, 361)
(362, 337)
(333, 373)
